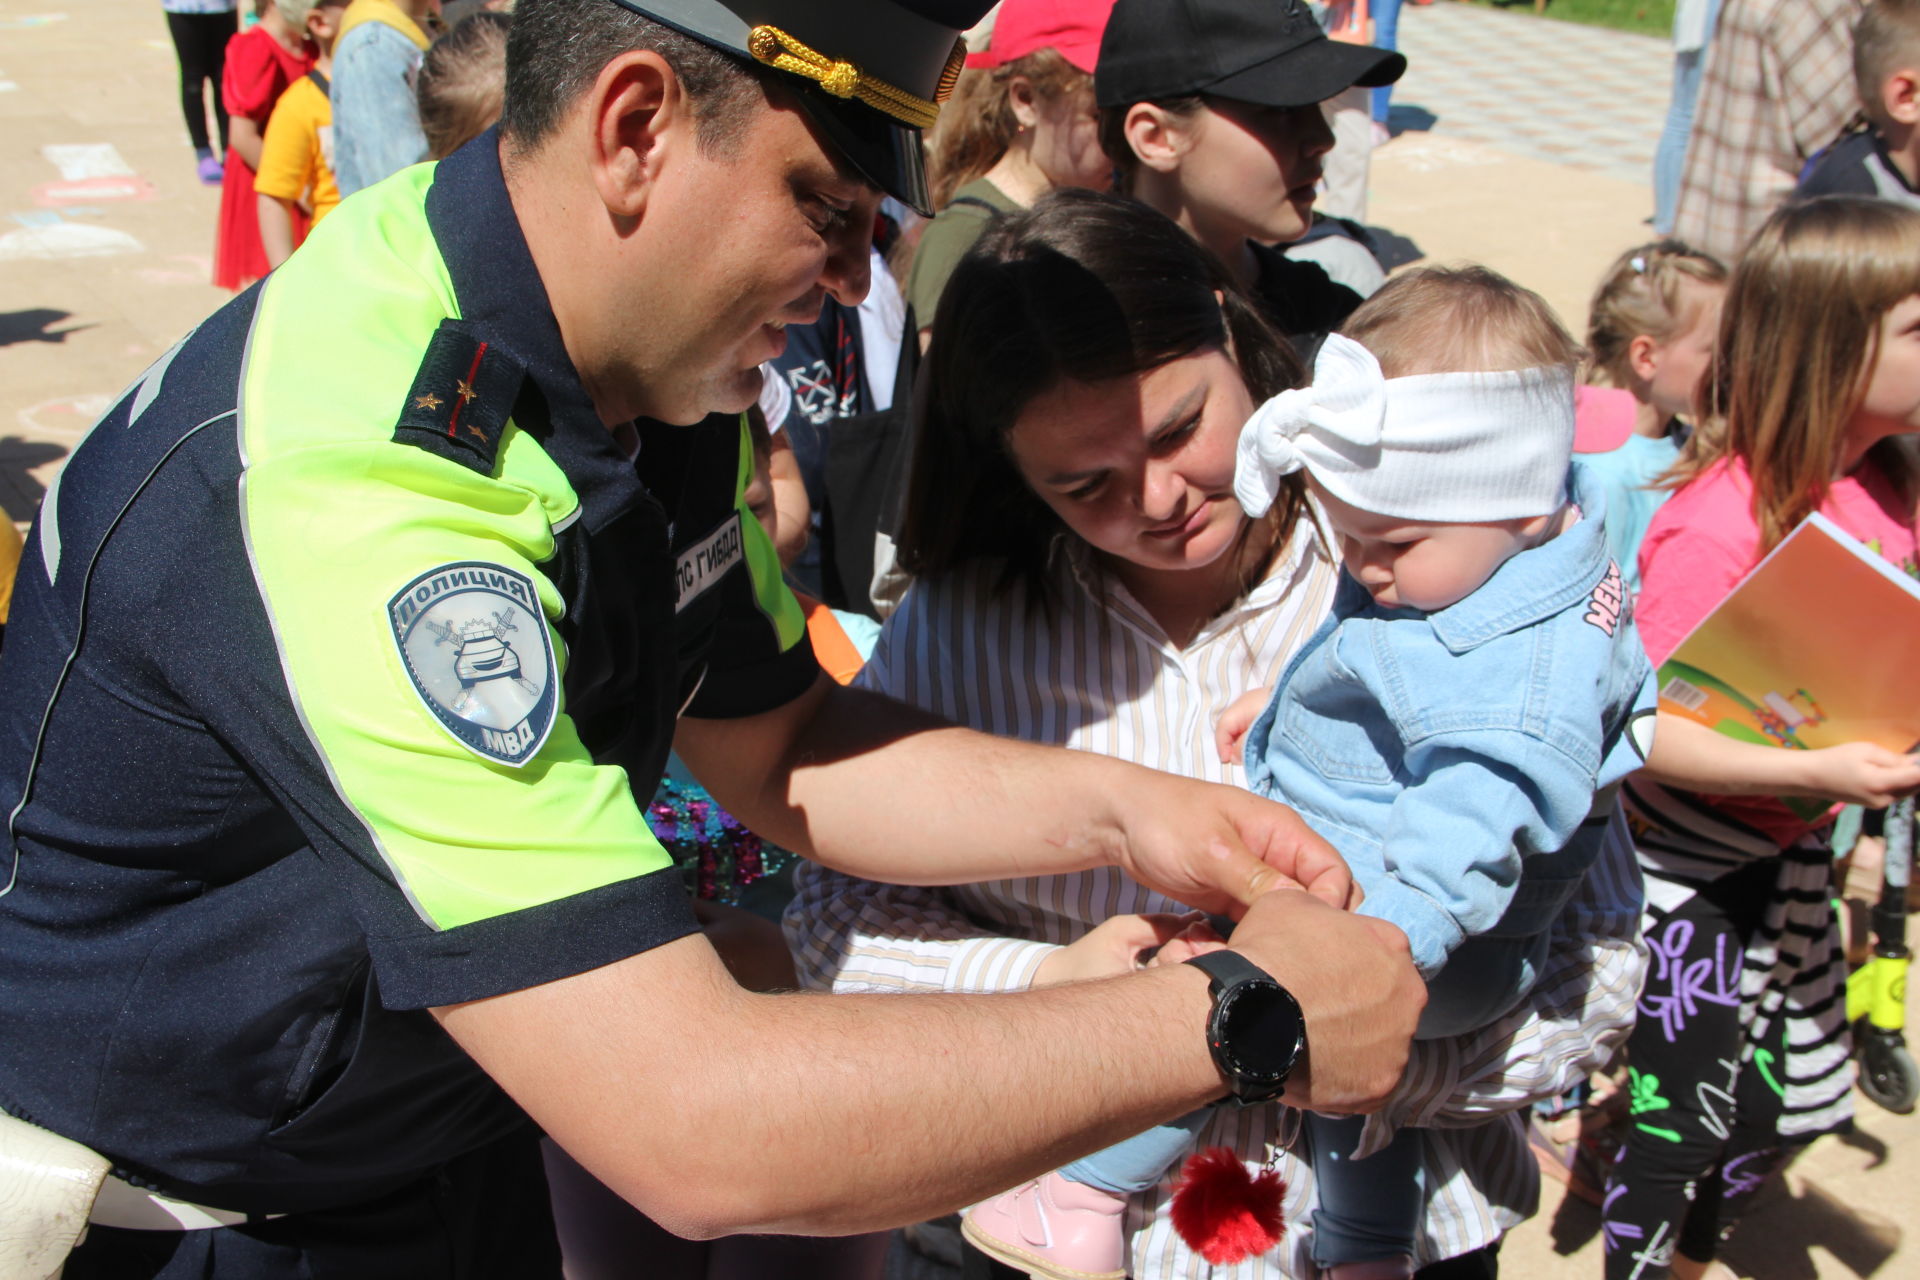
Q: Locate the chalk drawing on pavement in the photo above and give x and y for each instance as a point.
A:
(78, 161)
(65, 239)
(114, 187)
(70, 416)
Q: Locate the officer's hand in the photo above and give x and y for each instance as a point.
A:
(1356, 984)
(1220, 848)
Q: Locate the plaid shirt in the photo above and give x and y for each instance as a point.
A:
(1778, 86)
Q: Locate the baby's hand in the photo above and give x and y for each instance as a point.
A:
(1114, 947)
(1196, 939)
(1230, 734)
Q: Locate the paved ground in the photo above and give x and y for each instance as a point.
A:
(1524, 143)
(1551, 90)
(105, 235)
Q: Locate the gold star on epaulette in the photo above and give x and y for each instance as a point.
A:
(461, 399)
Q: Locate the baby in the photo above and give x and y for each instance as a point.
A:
(1458, 727)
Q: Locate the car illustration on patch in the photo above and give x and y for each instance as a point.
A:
(474, 643)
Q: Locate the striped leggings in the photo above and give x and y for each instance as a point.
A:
(1706, 1101)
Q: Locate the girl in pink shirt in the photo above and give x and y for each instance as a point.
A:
(1741, 1051)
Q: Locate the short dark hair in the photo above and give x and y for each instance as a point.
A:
(558, 48)
(1082, 287)
(1886, 39)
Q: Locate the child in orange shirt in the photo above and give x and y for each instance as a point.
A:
(296, 159)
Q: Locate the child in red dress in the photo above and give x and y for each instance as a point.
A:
(261, 62)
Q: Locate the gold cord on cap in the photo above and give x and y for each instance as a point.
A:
(777, 49)
(950, 74)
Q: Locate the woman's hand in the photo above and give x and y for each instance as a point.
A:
(1861, 773)
(1229, 735)
(1118, 945)
(1197, 939)
(1219, 848)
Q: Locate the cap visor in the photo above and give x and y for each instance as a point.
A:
(1314, 72)
(884, 152)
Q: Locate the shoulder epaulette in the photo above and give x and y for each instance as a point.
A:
(461, 398)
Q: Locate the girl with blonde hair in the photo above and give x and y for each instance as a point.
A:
(1650, 333)
(1741, 1052)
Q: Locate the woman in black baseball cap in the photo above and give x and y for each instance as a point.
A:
(1210, 110)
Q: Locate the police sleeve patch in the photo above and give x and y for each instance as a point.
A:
(474, 643)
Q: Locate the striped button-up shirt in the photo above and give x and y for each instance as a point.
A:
(1777, 86)
(1097, 673)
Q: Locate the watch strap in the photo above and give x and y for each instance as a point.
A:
(1224, 968)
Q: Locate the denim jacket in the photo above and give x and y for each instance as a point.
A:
(1464, 761)
(376, 120)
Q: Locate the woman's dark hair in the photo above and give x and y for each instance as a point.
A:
(1083, 287)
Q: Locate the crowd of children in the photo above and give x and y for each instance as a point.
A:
(1807, 406)
(277, 103)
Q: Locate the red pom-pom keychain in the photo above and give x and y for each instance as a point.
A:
(1224, 1213)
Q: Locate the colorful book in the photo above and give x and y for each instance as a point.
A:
(1819, 645)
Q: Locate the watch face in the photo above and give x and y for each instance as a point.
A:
(1262, 1023)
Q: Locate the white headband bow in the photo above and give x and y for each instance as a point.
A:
(1440, 447)
(1343, 408)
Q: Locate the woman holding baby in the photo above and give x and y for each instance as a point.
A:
(1085, 576)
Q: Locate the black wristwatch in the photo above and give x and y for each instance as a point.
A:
(1256, 1031)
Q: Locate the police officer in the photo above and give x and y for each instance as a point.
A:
(346, 639)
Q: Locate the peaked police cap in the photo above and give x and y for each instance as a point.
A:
(871, 74)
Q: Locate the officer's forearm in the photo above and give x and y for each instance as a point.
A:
(719, 1112)
(878, 789)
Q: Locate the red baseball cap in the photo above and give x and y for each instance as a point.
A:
(1074, 27)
